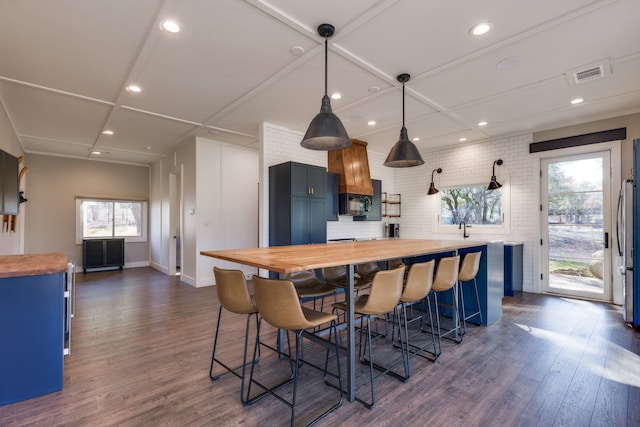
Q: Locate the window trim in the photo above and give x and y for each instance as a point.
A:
(127, 239)
(476, 229)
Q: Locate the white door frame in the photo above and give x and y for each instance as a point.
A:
(614, 147)
(175, 219)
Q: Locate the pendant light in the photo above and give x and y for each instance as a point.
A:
(494, 184)
(432, 186)
(404, 153)
(326, 131)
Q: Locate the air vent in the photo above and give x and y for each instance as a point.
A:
(587, 74)
(590, 74)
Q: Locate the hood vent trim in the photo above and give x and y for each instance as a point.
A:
(352, 166)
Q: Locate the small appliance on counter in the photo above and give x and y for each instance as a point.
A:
(391, 230)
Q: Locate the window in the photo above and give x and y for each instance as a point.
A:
(473, 205)
(97, 218)
(488, 211)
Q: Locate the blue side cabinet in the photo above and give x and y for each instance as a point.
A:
(513, 273)
(31, 336)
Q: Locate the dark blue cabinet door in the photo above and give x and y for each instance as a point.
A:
(32, 336)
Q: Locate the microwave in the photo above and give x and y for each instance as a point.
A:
(354, 204)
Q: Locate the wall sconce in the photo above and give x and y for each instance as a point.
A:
(494, 184)
(432, 186)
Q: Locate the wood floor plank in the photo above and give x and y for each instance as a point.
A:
(610, 408)
(142, 346)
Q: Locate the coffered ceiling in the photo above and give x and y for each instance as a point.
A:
(65, 64)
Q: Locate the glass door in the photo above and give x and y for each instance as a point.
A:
(576, 224)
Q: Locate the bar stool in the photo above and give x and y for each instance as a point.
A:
(417, 287)
(384, 296)
(308, 286)
(446, 279)
(337, 277)
(233, 296)
(468, 272)
(279, 305)
(366, 272)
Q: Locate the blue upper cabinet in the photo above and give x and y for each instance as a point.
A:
(332, 196)
(297, 204)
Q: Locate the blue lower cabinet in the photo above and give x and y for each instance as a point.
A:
(512, 268)
(490, 281)
(32, 336)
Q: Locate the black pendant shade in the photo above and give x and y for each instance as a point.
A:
(404, 153)
(494, 184)
(326, 132)
(432, 186)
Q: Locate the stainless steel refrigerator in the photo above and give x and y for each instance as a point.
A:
(632, 292)
(624, 233)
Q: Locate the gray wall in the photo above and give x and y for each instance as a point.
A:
(54, 183)
(631, 122)
(10, 242)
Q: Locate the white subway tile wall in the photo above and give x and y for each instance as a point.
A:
(472, 164)
(463, 164)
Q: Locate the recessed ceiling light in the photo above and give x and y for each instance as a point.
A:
(577, 101)
(148, 147)
(509, 62)
(170, 26)
(374, 89)
(480, 29)
(336, 96)
(97, 153)
(462, 139)
(371, 122)
(107, 132)
(134, 88)
(297, 50)
(415, 139)
(483, 123)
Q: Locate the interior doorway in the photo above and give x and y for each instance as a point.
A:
(175, 223)
(576, 225)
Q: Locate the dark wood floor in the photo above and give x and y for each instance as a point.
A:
(142, 346)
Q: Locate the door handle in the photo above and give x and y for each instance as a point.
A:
(606, 240)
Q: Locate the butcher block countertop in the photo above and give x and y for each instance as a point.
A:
(290, 259)
(32, 264)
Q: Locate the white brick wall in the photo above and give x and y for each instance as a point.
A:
(464, 164)
(472, 164)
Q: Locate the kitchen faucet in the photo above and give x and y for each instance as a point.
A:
(464, 233)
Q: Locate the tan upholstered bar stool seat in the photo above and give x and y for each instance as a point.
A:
(446, 279)
(279, 305)
(383, 297)
(417, 287)
(337, 277)
(233, 295)
(469, 272)
(308, 286)
(366, 272)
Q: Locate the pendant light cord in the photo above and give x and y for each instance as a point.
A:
(402, 104)
(326, 48)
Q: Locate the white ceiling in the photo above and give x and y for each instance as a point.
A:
(64, 66)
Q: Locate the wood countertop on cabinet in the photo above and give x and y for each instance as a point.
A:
(32, 264)
(290, 259)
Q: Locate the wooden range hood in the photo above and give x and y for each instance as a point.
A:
(352, 165)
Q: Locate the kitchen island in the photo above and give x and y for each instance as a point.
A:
(291, 259)
(32, 319)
